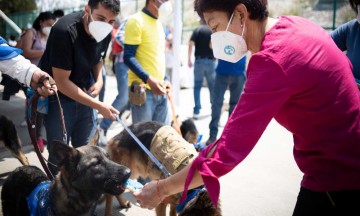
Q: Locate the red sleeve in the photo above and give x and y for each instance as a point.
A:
(266, 90)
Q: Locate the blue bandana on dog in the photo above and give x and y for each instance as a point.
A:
(190, 195)
(39, 200)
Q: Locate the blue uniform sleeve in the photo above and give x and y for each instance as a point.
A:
(132, 63)
(8, 52)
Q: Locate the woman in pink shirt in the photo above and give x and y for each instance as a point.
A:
(297, 76)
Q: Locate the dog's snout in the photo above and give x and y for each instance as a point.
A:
(127, 173)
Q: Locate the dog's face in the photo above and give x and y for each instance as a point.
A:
(89, 170)
(189, 131)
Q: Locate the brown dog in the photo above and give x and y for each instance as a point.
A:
(10, 139)
(171, 150)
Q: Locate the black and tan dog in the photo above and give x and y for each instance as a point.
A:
(189, 131)
(85, 174)
(10, 140)
(171, 150)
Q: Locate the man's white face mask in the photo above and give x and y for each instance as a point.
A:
(165, 8)
(98, 29)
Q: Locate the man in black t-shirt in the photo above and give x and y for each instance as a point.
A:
(73, 57)
(204, 63)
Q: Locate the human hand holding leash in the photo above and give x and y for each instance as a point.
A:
(158, 87)
(43, 83)
(108, 111)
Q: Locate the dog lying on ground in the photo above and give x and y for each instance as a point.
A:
(85, 174)
(10, 139)
(162, 142)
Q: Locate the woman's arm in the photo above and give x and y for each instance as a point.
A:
(28, 41)
(160, 189)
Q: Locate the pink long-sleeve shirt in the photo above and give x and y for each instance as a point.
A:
(300, 78)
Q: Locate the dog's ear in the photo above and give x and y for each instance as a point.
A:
(62, 150)
(95, 139)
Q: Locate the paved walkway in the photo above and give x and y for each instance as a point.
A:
(266, 183)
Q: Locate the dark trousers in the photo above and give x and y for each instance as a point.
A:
(336, 203)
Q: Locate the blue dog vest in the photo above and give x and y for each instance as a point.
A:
(39, 200)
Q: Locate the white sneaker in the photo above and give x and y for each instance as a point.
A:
(23, 124)
(102, 137)
(196, 116)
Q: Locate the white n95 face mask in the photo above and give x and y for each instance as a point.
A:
(228, 46)
(165, 9)
(46, 30)
(99, 30)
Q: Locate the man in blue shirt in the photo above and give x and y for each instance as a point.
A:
(230, 75)
(347, 38)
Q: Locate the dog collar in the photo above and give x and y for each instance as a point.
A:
(198, 145)
(190, 195)
(39, 200)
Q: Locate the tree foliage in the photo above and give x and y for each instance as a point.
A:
(12, 6)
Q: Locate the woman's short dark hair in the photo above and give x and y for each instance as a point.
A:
(354, 4)
(58, 13)
(113, 5)
(257, 8)
(43, 16)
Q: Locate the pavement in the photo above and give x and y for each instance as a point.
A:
(266, 183)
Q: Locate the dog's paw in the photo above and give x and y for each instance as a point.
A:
(127, 204)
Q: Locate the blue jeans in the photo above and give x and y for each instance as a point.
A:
(102, 91)
(236, 84)
(121, 100)
(154, 109)
(80, 123)
(203, 67)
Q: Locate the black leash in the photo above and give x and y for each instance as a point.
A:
(31, 123)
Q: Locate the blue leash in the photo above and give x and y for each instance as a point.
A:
(151, 156)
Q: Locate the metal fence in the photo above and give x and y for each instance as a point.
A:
(22, 19)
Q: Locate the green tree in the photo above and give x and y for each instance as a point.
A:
(13, 6)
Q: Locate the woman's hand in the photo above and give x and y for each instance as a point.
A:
(151, 195)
